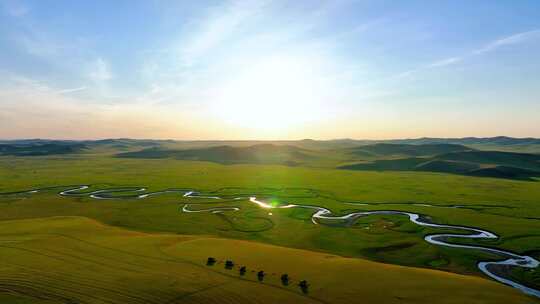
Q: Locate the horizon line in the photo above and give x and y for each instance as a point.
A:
(291, 140)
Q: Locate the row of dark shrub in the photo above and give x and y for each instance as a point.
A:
(285, 280)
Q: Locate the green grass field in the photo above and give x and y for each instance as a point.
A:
(77, 260)
(507, 207)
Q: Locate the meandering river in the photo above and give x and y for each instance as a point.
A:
(490, 268)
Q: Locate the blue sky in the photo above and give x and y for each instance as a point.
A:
(269, 69)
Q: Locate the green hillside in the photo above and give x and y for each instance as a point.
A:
(475, 163)
(78, 260)
(522, 160)
(40, 149)
(509, 208)
(386, 156)
(385, 149)
(262, 153)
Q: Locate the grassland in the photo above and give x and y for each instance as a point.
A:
(507, 207)
(77, 260)
(444, 156)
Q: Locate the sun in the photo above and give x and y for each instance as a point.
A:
(272, 96)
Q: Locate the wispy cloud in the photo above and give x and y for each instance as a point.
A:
(15, 8)
(492, 46)
(73, 90)
(230, 38)
(99, 70)
(219, 25)
(445, 62)
(38, 44)
(509, 40)
(69, 117)
(333, 55)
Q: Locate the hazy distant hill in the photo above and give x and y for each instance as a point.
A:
(263, 153)
(38, 148)
(498, 140)
(522, 160)
(384, 149)
(490, 143)
(470, 162)
(495, 157)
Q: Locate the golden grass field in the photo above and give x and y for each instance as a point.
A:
(79, 260)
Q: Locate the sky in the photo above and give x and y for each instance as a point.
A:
(269, 69)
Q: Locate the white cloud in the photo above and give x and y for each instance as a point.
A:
(231, 38)
(221, 23)
(99, 70)
(509, 40)
(31, 109)
(73, 90)
(445, 62)
(38, 44)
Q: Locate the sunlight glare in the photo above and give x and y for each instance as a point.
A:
(273, 96)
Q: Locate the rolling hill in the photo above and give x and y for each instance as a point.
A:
(425, 146)
(78, 260)
(386, 149)
(512, 159)
(444, 158)
(41, 148)
(466, 162)
(259, 154)
(497, 140)
(425, 154)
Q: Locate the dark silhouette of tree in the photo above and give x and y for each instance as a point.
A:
(243, 270)
(211, 261)
(304, 286)
(285, 279)
(229, 264)
(260, 275)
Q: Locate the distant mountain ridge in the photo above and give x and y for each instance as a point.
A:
(41, 148)
(261, 153)
(408, 149)
(473, 157)
(470, 162)
(497, 140)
